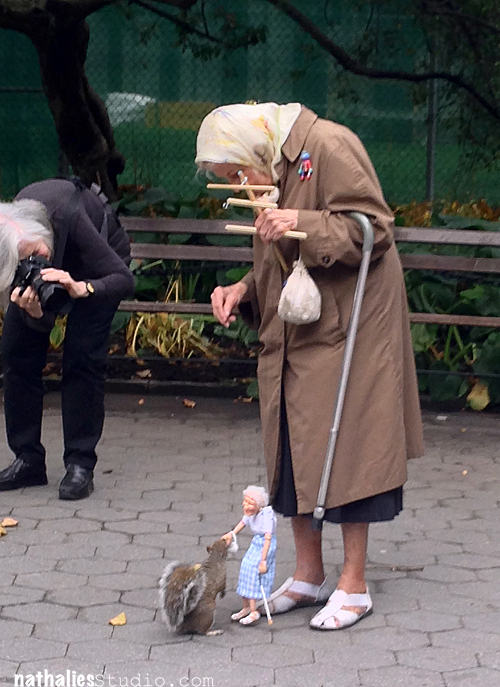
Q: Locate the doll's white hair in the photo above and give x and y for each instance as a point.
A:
(21, 220)
(258, 494)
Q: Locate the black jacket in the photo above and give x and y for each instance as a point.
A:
(76, 215)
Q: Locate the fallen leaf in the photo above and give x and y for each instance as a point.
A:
(8, 522)
(144, 374)
(141, 401)
(248, 399)
(465, 472)
(3, 531)
(463, 430)
(478, 397)
(188, 403)
(120, 619)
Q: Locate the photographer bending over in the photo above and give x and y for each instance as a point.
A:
(61, 249)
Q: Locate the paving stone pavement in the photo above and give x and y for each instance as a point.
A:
(168, 482)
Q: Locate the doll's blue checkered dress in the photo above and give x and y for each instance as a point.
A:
(249, 579)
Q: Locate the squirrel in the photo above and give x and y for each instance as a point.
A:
(188, 592)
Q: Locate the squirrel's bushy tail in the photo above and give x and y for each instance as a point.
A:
(181, 588)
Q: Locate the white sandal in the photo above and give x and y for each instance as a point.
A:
(334, 612)
(240, 614)
(280, 603)
(251, 618)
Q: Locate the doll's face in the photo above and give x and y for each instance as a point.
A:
(250, 506)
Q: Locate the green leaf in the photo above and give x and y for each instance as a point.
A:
(423, 336)
(472, 294)
(120, 321)
(253, 389)
(218, 240)
(143, 283)
(237, 273)
(457, 222)
(186, 212)
(178, 239)
(56, 336)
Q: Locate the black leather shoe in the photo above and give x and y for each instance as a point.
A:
(21, 474)
(76, 484)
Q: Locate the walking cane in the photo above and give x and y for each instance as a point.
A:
(266, 605)
(367, 229)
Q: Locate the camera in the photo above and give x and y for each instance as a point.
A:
(52, 296)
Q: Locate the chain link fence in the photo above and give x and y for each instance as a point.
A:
(157, 94)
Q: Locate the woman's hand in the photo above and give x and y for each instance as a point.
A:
(76, 289)
(28, 301)
(262, 567)
(224, 299)
(272, 224)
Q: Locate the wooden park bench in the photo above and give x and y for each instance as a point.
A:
(417, 261)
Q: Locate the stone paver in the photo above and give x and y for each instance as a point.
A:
(172, 485)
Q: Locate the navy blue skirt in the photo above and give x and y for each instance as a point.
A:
(378, 508)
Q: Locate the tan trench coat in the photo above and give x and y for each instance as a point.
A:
(381, 423)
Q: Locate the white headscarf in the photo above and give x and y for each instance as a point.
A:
(247, 135)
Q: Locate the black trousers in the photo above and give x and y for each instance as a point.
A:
(24, 353)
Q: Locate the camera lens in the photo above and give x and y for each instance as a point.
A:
(54, 298)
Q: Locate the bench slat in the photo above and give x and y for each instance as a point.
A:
(152, 306)
(463, 320)
(447, 236)
(182, 252)
(170, 225)
(450, 263)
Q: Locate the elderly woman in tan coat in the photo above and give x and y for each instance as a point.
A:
(299, 365)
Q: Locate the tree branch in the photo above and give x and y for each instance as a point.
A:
(352, 65)
(175, 20)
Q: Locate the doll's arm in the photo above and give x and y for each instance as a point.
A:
(265, 550)
(229, 535)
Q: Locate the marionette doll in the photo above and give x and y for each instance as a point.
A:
(258, 566)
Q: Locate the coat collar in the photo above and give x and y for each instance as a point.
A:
(294, 144)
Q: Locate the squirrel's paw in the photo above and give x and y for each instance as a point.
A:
(214, 633)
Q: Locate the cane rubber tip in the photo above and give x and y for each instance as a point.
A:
(269, 622)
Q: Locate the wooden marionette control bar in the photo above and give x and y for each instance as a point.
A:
(241, 187)
(245, 229)
(244, 203)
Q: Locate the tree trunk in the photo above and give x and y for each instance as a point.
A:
(80, 117)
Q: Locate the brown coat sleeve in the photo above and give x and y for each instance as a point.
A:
(346, 182)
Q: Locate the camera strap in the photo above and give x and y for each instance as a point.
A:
(62, 236)
(96, 189)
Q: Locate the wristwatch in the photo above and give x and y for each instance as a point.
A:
(90, 288)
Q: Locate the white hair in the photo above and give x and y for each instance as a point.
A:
(21, 220)
(258, 494)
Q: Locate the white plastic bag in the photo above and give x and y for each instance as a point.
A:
(300, 300)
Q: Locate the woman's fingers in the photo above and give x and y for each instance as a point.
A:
(224, 299)
(222, 305)
(28, 301)
(272, 224)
